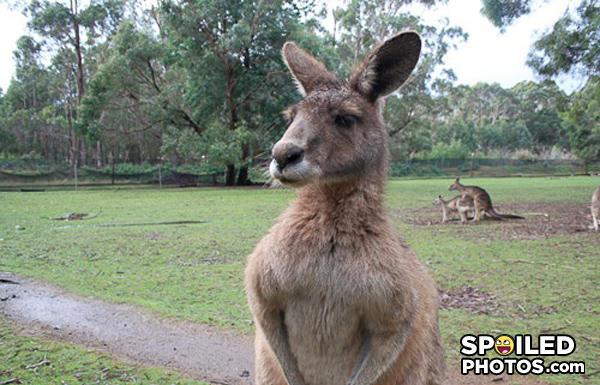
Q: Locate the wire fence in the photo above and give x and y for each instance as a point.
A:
(189, 175)
(492, 167)
(61, 176)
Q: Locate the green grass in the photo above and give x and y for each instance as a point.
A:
(195, 272)
(36, 361)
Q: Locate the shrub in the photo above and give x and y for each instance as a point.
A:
(453, 150)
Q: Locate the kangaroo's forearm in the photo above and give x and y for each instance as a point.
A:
(377, 355)
(273, 328)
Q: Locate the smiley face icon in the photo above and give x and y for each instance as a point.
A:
(504, 345)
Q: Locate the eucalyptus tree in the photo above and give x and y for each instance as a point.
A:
(26, 99)
(70, 31)
(235, 81)
(131, 96)
(67, 25)
(540, 108)
(583, 121)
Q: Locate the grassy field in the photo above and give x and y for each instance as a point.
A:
(36, 361)
(194, 271)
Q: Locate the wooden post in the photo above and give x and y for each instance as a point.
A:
(159, 173)
(112, 163)
(472, 157)
(75, 163)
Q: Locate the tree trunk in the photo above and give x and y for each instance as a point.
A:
(80, 72)
(82, 152)
(243, 176)
(233, 118)
(230, 175)
(98, 154)
(73, 150)
(112, 163)
(47, 146)
(243, 173)
(75, 174)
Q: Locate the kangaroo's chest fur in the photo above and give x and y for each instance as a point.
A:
(323, 321)
(327, 281)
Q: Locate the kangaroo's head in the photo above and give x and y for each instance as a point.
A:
(456, 185)
(336, 132)
(438, 201)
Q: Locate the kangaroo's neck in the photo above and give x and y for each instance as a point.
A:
(355, 202)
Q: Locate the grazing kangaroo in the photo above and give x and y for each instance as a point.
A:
(481, 200)
(336, 297)
(596, 208)
(461, 205)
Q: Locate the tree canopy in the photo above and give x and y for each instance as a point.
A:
(202, 82)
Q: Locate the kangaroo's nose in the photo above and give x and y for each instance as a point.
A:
(286, 154)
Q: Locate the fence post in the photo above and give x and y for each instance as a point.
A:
(75, 172)
(159, 173)
(472, 158)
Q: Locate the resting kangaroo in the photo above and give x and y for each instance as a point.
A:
(481, 200)
(458, 204)
(596, 208)
(336, 297)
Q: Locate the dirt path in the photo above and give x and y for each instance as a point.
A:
(128, 333)
(139, 337)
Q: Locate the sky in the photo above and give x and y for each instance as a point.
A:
(487, 56)
(13, 26)
(492, 56)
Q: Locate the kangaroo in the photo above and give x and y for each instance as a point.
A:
(337, 298)
(596, 208)
(481, 200)
(458, 204)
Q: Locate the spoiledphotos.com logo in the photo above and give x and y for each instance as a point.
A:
(519, 354)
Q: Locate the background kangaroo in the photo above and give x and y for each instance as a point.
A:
(337, 298)
(461, 205)
(596, 208)
(481, 200)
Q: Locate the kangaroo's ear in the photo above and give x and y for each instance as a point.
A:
(439, 196)
(457, 179)
(388, 66)
(307, 71)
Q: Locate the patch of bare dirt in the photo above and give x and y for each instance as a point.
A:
(471, 299)
(542, 220)
(142, 338)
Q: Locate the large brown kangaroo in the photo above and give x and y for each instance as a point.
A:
(481, 200)
(337, 298)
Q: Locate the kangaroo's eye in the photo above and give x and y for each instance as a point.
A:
(345, 121)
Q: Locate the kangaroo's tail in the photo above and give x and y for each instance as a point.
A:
(494, 214)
